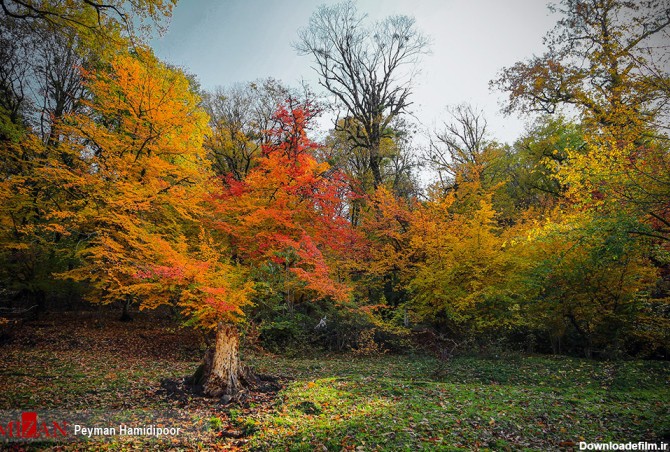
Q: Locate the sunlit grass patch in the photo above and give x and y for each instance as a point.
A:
(407, 403)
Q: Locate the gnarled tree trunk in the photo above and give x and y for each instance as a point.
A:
(222, 374)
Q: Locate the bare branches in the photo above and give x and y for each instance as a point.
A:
(89, 16)
(368, 70)
(461, 147)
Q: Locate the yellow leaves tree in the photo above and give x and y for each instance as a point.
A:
(461, 279)
(91, 19)
(603, 60)
(444, 261)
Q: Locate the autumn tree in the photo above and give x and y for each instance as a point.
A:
(40, 83)
(603, 57)
(284, 221)
(586, 285)
(141, 207)
(464, 258)
(241, 117)
(289, 210)
(533, 161)
(141, 140)
(605, 61)
(387, 263)
(45, 46)
(367, 70)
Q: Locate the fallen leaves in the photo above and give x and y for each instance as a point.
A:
(74, 363)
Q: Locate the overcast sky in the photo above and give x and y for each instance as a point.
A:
(229, 41)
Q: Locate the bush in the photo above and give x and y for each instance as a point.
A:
(366, 345)
(286, 333)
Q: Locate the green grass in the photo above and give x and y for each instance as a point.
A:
(337, 403)
(411, 403)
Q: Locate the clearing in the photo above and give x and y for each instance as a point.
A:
(94, 370)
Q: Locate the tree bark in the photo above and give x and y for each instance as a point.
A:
(375, 163)
(222, 374)
(125, 314)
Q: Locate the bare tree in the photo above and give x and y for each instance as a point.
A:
(15, 68)
(40, 75)
(367, 69)
(57, 65)
(463, 149)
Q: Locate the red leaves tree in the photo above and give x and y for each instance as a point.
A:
(289, 211)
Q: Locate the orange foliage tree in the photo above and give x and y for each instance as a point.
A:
(141, 178)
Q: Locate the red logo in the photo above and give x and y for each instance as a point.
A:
(28, 427)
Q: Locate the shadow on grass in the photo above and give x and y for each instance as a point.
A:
(404, 403)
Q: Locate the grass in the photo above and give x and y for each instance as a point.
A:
(334, 403)
(411, 403)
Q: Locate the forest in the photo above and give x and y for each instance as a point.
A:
(307, 283)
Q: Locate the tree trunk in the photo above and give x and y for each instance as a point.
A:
(222, 374)
(125, 314)
(375, 165)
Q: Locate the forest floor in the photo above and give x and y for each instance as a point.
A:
(93, 371)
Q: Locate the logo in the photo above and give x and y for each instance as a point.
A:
(29, 427)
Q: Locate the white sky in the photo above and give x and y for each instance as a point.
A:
(229, 41)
